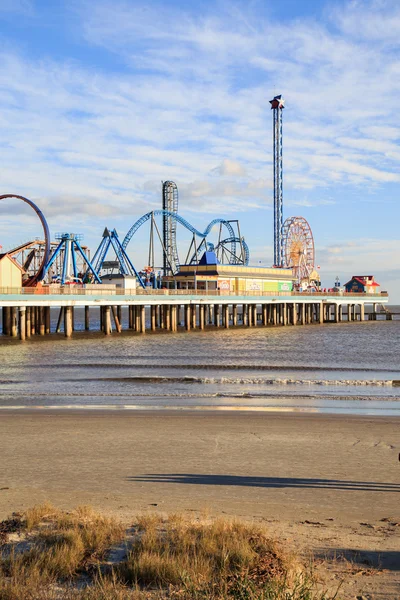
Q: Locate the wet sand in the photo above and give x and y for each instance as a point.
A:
(322, 482)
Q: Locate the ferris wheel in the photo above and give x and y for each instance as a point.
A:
(298, 247)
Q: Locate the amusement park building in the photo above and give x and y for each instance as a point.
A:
(209, 275)
(362, 284)
(10, 272)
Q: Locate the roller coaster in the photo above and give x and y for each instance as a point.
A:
(43, 260)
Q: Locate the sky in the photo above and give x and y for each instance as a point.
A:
(102, 101)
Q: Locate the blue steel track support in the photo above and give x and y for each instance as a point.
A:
(70, 244)
(185, 224)
(277, 106)
(111, 240)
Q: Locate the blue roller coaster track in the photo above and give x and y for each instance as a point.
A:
(201, 234)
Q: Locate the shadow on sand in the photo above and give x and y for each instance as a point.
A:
(375, 559)
(267, 482)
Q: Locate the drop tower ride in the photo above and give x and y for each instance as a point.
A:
(277, 105)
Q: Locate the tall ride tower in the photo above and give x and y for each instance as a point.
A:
(170, 205)
(277, 105)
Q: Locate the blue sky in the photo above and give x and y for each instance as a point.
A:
(101, 101)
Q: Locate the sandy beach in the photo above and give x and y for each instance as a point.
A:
(324, 483)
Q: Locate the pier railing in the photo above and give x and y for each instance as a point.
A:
(100, 291)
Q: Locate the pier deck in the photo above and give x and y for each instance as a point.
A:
(27, 312)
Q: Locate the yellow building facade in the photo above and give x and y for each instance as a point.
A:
(10, 272)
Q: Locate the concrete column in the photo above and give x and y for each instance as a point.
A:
(217, 315)
(249, 315)
(362, 312)
(33, 320)
(137, 319)
(28, 322)
(158, 316)
(101, 318)
(42, 326)
(68, 321)
(47, 320)
(87, 318)
(274, 314)
(226, 316)
(340, 313)
(349, 312)
(321, 312)
(284, 313)
(294, 315)
(336, 307)
(174, 317)
(234, 314)
(37, 319)
(59, 320)
(211, 314)
(303, 313)
(116, 319)
(201, 316)
(107, 320)
(153, 317)
(22, 323)
(167, 317)
(6, 320)
(264, 314)
(255, 315)
(14, 321)
(244, 314)
(130, 317)
(178, 315)
(187, 317)
(119, 315)
(142, 319)
(73, 317)
(194, 315)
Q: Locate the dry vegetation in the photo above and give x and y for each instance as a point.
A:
(49, 554)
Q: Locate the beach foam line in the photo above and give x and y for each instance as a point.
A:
(160, 379)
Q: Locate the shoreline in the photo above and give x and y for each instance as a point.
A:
(139, 409)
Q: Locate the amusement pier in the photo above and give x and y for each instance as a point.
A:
(213, 286)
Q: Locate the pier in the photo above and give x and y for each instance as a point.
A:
(28, 314)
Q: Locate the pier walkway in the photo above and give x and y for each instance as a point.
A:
(26, 311)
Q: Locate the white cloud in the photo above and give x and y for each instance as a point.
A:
(229, 168)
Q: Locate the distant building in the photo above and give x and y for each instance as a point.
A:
(362, 284)
(210, 275)
(10, 272)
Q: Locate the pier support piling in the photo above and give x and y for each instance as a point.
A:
(22, 323)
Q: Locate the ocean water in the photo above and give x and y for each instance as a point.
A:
(350, 368)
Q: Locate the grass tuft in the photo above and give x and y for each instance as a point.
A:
(63, 555)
